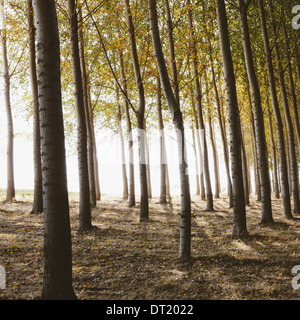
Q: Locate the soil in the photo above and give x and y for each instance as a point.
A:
(122, 258)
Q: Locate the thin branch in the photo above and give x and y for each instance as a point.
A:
(99, 6)
(19, 60)
(62, 10)
(232, 2)
(108, 60)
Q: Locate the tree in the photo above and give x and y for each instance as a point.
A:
(185, 214)
(84, 203)
(289, 125)
(274, 155)
(140, 116)
(57, 280)
(10, 194)
(121, 138)
(131, 200)
(218, 105)
(38, 192)
(266, 207)
(276, 110)
(292, 85)
(239, 212)
(162, 145)
(209, 197)
(91, 155)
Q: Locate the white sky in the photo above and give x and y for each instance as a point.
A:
(110, 173)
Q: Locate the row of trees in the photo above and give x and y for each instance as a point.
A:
(188, 57)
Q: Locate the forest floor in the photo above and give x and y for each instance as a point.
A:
(124, 259)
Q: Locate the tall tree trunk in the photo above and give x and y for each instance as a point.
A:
(274, 155)
(95, 155)
(10, 194)
(90, 144)
(292, 86)
(162, 147)
(175, 83)
(239, 212)
(123, 161)
(254, 155)
(266, 206)
(197, 133)
(140, 112)
(209, 197)
(185, 214)
(215, 156)
(278, 120)
(38, 192)
(131, 200)
(148, 164)
(290, 130)
(256, 170)
(297, 57)
(57, 280)
(245, 170)
(196, 161)
(224, 141)
(84, 189)
(217, 101)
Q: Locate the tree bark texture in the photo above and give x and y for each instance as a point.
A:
(239, 212)
(209, 197)
(140, 115)
(285, 192)
(38, 190)
(10, 193)
(266, 206)
(176, 115)
(84, 189)
(57, 280)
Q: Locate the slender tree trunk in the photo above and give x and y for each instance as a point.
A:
(266, 206)
(216, 96)
(254, 155)
(278, 120)
(292, 86)
(239, 212)
(38, 192)
(144, 206)
(95, 155)
(197, 133)
(297, 57)
(196, 162)
(274, 155)
(215, 156)
(84, 189)
(185, 214)
(131, 200)
(90, 144)
(148, 165)
(288, 155)
(175, 83)
(209, 197)
(123, 161)
(224, 141)
(245, 170)
(57, 280)
(258, 188)
(290, 130)
(162, 147)
(10, 194)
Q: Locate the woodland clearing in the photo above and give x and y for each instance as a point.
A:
(122, 258)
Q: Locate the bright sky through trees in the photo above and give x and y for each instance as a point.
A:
(109, 166)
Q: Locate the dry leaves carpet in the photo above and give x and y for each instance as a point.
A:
(122, 258)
